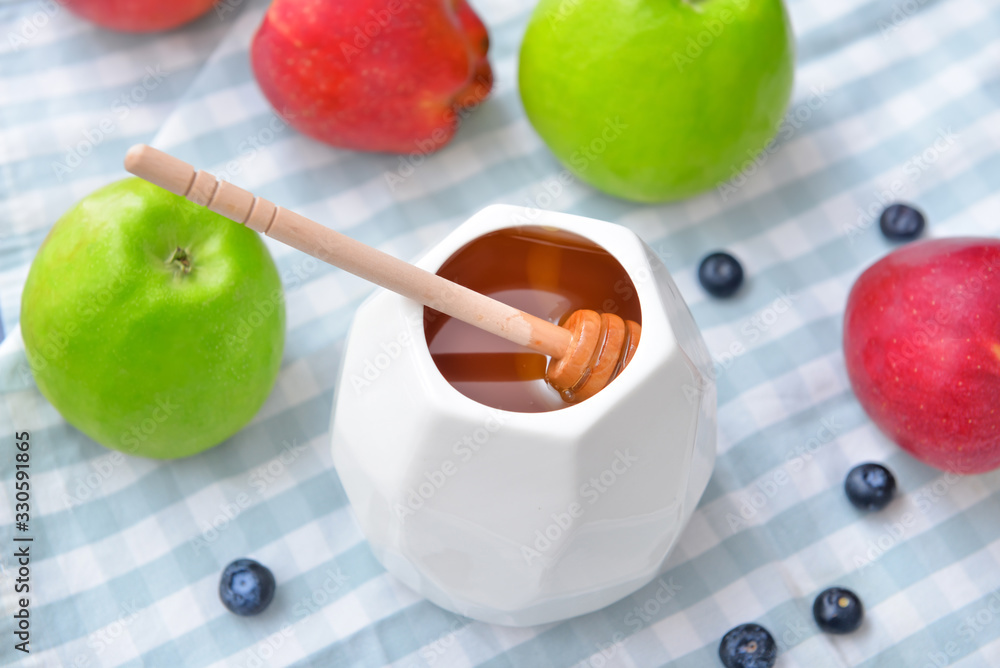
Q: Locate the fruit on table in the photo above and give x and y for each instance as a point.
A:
(153, 325)
(246, 587)
(132, 16)
(720, 274)
(901, 222)
(922, 348)
(748, 646)
(373, 75)
(870, 486)
(838, 610)
(652, 101)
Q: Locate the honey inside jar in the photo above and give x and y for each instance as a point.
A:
(543, 271)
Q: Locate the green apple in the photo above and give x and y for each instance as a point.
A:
(153, 325)
(654, 100)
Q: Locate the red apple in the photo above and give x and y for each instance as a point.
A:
(135, 16)
(922, 347)
(373, 75)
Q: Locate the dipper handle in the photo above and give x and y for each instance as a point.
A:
(351, 255)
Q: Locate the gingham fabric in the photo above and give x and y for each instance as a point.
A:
(894, 99)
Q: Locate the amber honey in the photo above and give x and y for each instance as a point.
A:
(544, 271)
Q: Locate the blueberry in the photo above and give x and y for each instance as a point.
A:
(720, 274)
(838, 610)
(870, 486)
(246, 587)
(901, 222)
(748, 646)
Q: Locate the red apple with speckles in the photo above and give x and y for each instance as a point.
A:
(138, 16)
(373, 75)
(922, 347)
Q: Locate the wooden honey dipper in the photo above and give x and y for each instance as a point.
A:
(587, 352)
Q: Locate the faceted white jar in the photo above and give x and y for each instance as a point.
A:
(525, 518)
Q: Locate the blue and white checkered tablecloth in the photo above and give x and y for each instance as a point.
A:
(894, 99)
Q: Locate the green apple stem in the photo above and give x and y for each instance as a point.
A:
(181, 260)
